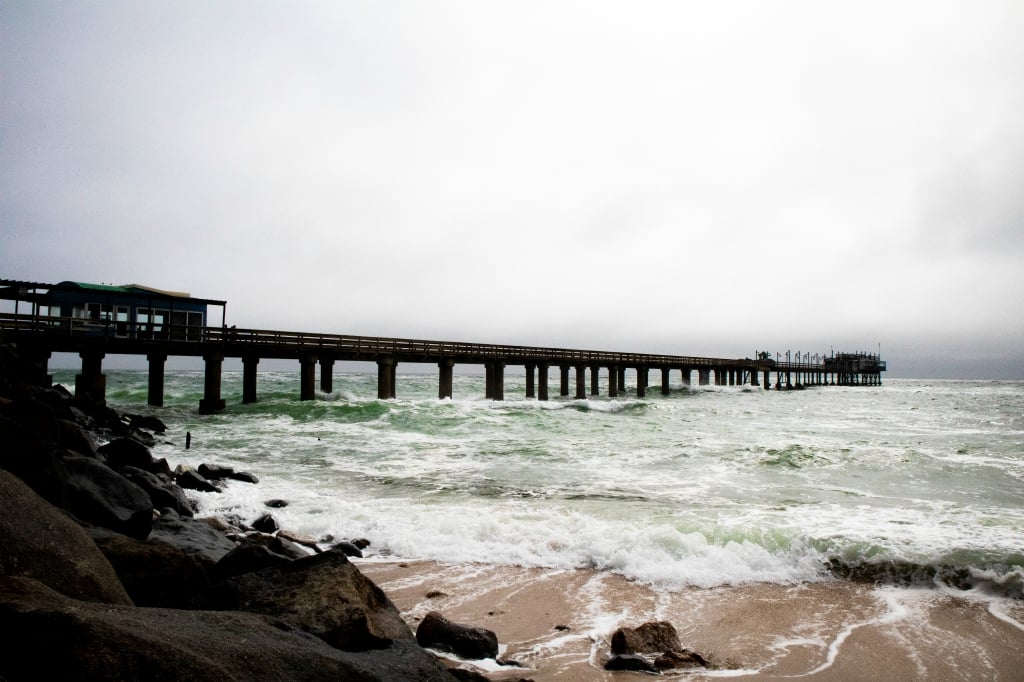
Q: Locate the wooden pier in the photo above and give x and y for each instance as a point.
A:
(39, 335)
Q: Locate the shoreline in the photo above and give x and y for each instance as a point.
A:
(557, 624)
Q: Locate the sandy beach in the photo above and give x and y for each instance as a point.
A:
(557, 624)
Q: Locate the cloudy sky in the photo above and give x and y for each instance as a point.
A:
(708, 178)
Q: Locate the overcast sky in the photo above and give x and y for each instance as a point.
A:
(706, 178)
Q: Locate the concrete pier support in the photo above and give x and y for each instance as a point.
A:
(703, 377)
(542, 381)
(563, 389)
(613, 381)
(498, 377)
(664, 380)
(307, 377)
(156, 378)
(445, 379)
(686, 376)
(326, 374)
(641, 382)
(622, 379)
(581, 382)
(595, 384)
(249, 365)
(211, 401)
(767, 381)
(91, 383)
(386, 368)
(530, 367)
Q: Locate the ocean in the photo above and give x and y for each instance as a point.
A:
(913, 482)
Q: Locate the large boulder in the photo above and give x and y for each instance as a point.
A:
(194, 536)
(34, 458)
(437, 632)
(48, 636)
(154, 573)
(648, 638)
(322, 594)
(41, 542)
(163, 491)
(101, 496)
(122, 452)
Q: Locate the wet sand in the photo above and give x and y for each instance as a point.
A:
(558, 624)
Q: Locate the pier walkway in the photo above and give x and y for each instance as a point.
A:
(38, 336)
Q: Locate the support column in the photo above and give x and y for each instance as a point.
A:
(385, 378)
(327, 374)
(530, 367)
(91, 384)
(564, 377)
(732, 377)
(581, 382)
(156, 378)
(613, 381)
(488, 380)
(622, 379)
(542, 381)
(703, 377)
(307, 377)
(498, 373)
(211, 401)
(595, 388)
(767, 381)
(40, 359)
(249, 364)
(664, 380)
(445, 381)
(641, 381)
(686, 376)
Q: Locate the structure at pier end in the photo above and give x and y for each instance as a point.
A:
(100, 320)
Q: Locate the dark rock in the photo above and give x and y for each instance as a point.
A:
(648, 638)
(276, 504)
(631, 662)
(464, 675)
(349, 549)
(265, 524)
(160, 467)
(101, 496)
(162, 492)
(244, 476)
(35, 459)
(58, 638)
(437, 632)
(36, 416)
(148, 422)
(193, 481)
(154, 573)
(127, 452)
(247, 558)
(40, 542)
(323, 595)
(361, 543)
(74, 437)
(680, 659)
(303, 540)
(287, 548)
(194, 536)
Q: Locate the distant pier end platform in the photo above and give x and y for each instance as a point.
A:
(94, 320)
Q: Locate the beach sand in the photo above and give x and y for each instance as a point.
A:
(558, 623)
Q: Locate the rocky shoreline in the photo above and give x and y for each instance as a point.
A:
(106, 574)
